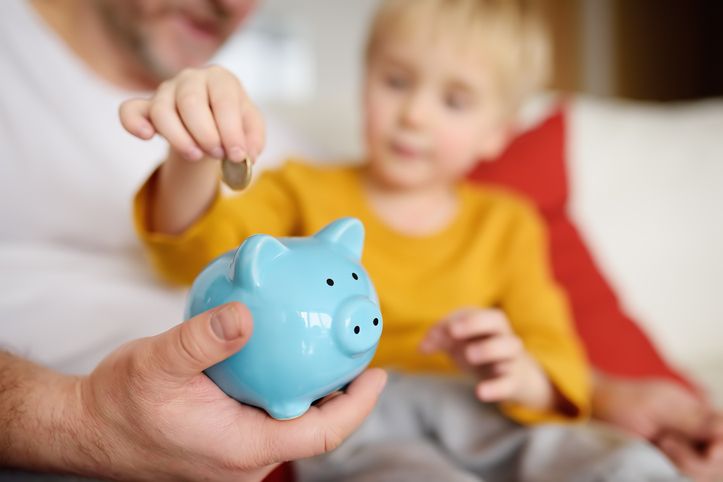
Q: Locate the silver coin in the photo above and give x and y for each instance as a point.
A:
(237, 175)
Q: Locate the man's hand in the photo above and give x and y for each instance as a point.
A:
(147, 412)
(483, 343)
(682, 425)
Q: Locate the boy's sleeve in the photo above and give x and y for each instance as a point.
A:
(267, 207)
(539, 314)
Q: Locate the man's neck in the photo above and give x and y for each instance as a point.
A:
(81, 26)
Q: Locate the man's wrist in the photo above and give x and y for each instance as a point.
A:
(43, 424)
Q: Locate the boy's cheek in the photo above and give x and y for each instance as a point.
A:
(378, 128)
(458, 152)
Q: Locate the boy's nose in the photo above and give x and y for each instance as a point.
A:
(415, 110)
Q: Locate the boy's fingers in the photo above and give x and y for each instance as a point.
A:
(165, 118)
(224, 94)
(491, 350)
(436, 339)
(479, 323)
(495, 389)
(254, 130)
(192, 102)
(135, 118)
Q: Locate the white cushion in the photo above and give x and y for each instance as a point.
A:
(647, 193)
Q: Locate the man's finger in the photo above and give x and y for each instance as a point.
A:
(689, 419)
(189, 348)
(682, 454)
(324, 427)
(717, 429)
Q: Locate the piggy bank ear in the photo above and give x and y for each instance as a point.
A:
(255, 255)
(347, 233)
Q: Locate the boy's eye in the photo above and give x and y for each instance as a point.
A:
(396, 81)
(457, 101)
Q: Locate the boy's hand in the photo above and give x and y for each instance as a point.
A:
(483, 343)
(201, 113)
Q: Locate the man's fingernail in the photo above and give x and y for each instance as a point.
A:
(226, 324)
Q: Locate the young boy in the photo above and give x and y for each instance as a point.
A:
(461, 271)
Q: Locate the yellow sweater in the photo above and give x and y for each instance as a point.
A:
(493, 254)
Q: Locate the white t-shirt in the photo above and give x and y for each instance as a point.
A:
(73, 282)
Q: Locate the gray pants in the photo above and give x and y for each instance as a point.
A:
(433, 429)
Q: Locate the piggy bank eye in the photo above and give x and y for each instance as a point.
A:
(355, 276)
(330, 281)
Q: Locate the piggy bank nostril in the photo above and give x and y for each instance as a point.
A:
(376, 321)
(357, 330)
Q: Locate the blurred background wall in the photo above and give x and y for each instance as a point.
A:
(301, 55)
(638, 49)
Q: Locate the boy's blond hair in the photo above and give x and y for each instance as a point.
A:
(511, 34)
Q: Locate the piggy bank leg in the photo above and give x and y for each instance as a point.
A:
(288, 410)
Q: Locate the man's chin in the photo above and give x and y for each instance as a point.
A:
(165, 66)
(166, 57)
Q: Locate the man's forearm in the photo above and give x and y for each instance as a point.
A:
(41, 422)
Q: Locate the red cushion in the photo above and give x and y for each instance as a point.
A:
(534, 165)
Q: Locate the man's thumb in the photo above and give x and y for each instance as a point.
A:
(204, 340)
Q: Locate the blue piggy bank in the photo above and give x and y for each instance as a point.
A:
(316, 316)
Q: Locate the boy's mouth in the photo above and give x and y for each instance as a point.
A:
(404, 150)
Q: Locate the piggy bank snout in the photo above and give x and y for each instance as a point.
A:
(358, 325)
